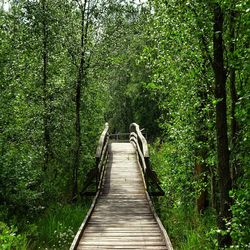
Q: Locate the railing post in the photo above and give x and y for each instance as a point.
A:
(99, 153)
(97, 161)
(147, 162)
(137, 138)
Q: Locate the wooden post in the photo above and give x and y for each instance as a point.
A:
(97, 161)
(225, 183)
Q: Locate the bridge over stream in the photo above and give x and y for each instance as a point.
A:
(122, 215)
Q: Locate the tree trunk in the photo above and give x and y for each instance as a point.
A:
(78, 90)
(234, 97)
(201, 168)
(77, 152)
(46, 115)
(225, 184)
(202, 200)
(203, 94)
(213, 188)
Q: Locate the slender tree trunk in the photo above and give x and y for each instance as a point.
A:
(202, 200)
(201, 168)
(78, 92)
(207, 59)
(77, 152)
(234, 97)
(46, 114)
(213, 188)
(225, 184)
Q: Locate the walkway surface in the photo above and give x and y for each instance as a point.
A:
(122, 218)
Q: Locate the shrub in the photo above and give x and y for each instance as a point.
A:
(10, 239)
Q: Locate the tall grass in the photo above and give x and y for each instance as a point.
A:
(58, 226)
(187, 229)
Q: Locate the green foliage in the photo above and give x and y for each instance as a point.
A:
(187, 229)
(27, 190)
(240, 223)
(147, 63)
(241, 195)
(57, 227)
(119, 69)
(10, 239)
(179, 55)
(172, 173)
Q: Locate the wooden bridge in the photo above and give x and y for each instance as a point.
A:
(121, 215)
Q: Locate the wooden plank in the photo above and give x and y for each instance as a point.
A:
(123, 243)
(120, 223)
(126, 212)
(121, 232)
(96, 228)
(125, 204)
(111, 198)
(123, 238)
(122, 214)
(118, 218)
(91, 247)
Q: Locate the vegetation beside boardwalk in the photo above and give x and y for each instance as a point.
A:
(179, 69)
(54, 229)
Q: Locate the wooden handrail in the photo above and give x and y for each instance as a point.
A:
(102, 141)
(140, 143)
(141, 139)
(101, 157)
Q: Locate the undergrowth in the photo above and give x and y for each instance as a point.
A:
(52, 230)
(11, 239)
(187, 229)
(57, 227)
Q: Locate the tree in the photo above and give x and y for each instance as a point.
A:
(225, 184)
(46, 116)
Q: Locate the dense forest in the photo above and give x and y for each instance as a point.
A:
(180, 69)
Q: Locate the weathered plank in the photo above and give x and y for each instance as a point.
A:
(89, 247)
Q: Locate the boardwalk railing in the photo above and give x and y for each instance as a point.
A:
(101, 158)
(113, 220)
(96, 173)
(151, 179)
(122, 137)
(101, 155)
(137, 138)
(119, 137)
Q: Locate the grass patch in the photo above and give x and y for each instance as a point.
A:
(187, 229)
(57, 227)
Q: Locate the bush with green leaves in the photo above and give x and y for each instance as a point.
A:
(239, 227)
(57, 227)
(10, 239)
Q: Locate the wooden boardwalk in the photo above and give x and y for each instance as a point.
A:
(122, 217)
